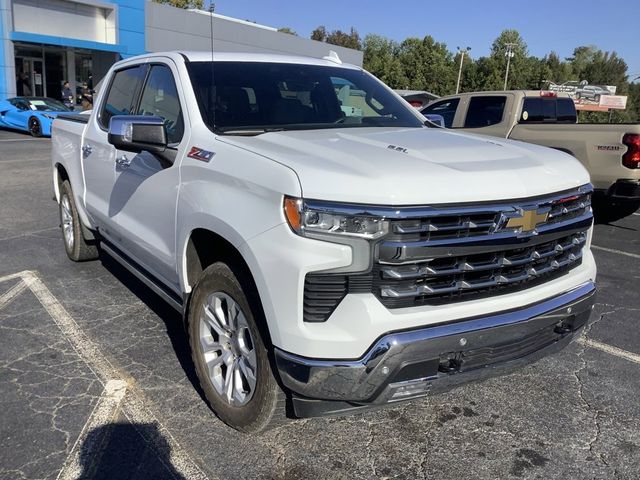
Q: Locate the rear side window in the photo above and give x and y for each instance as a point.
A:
(485, 111)
(446, 108)
(566, 111)
(123, 93)
(160, 98)
(548, 110)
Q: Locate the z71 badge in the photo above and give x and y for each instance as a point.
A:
(200, 154)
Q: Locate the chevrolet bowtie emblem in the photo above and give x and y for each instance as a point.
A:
(529, 220)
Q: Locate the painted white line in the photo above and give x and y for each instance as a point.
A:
(613, 250)
(88, 445)
(636, 214)
(133, 405)
(13, 292)
(610, 349)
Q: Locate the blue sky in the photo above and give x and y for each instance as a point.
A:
(545, 25)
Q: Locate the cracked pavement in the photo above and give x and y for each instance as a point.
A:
(572, 415)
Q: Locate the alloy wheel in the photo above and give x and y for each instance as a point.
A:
(228, 349)
(67, 222)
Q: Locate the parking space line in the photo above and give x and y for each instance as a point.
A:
(103, 414)
(16, 290)
(637, 214)
(133, 405)
(613, 250)
(610, 349)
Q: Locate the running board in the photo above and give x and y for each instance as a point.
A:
(145, 278)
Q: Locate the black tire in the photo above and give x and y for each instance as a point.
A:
(76, 246)
(606, 210)
(35, 128)
(266, 408)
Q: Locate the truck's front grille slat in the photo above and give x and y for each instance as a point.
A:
(443, 257)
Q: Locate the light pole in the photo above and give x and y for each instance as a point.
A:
(461, 52)
(509, 54)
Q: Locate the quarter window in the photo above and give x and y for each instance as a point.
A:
(485, 111)
(160, 98)
(123, 93)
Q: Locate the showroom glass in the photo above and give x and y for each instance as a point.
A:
(485, 111)
(160, 98)
(123, 92)
(291, 96)
(446, 108)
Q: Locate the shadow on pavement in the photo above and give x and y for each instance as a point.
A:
(126, 451)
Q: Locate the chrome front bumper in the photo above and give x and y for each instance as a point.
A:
(410, 364)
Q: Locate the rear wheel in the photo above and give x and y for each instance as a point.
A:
(76, 246)
(35, 129)
(230, 353)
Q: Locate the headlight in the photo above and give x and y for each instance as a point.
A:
(308, 220)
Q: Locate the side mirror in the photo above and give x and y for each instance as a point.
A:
(434, 118)
(138, 133)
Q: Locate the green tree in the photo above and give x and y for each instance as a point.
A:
(288, 30)
(381, 59)
(183, 3)
(319, 34)
(338, 37)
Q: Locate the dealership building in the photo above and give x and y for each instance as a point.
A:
(45, 42)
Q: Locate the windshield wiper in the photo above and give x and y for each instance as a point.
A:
(248, 131)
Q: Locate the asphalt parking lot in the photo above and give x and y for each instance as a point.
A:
(96, 380)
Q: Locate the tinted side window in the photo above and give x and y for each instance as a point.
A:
(538, 109)
(123, 93)
(160, 98)
(446, 108)
(485, 111)
(566, 111)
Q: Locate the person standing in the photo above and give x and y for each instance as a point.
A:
(87, 97)
(67, 96)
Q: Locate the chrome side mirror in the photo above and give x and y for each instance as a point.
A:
(138, 133)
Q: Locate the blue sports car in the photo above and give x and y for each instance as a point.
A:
(30, 114)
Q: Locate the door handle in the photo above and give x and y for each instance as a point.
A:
(123, 161)
(86, 150)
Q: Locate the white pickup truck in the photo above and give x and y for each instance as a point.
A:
(329, 251)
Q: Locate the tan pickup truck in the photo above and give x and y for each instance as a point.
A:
(610, 152)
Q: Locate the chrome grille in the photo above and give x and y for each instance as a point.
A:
(435, 255)
(449, 276)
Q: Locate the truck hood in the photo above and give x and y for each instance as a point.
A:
(413, 166)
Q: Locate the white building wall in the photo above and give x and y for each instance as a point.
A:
(92, 21)
(169, 28)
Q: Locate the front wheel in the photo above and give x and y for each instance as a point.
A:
(76, 246)
(230, 353)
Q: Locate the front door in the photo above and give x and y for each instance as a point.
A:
(137, 208)
(30, 81)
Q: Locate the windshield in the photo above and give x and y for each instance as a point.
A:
(264, 96)
(47, 105)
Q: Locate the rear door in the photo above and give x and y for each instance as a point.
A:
(488, 114)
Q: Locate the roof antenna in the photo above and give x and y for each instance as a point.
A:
(333, 57)
(212, 88)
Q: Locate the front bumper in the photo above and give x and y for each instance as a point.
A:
(410, 364)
